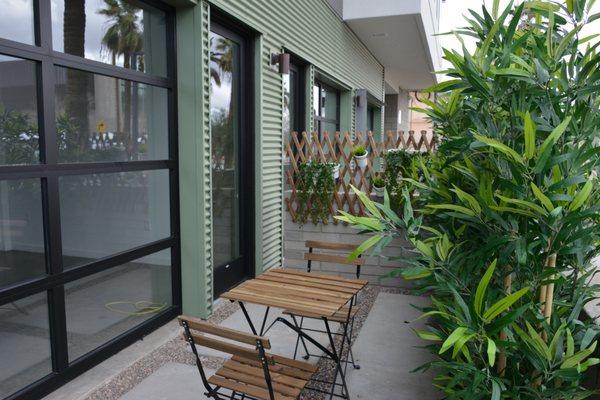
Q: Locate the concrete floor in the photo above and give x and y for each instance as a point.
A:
(385, 348)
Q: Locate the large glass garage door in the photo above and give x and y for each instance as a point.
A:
(89, 249)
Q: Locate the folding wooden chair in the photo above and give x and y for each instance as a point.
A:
(341, 316)
(251, 373)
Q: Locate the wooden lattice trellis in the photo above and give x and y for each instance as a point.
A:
(338, 149)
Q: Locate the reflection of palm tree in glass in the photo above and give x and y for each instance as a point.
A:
(77, 83)
(221, 69)
(123, 38)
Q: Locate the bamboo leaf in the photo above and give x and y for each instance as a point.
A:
(504, 304)
(501, 147)
(482, 287)
(583, 194)
(367, 202)
(427, 335)
(524, 203)
(529, 136)
(364, 246)
(454, 336)
(467, 199)
(491, 351)
(578, 357)
(452, 207)
(554, 136)
(546, 202)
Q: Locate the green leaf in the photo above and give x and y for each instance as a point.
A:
(496, 391)
(364, 246)
(458, 346)
(414, 273)
(491, 351)
(501, 147)
(467, 199)
(424, 248)
(542, 197)
(570, 344)
(454, 336)
(583, 194)
(554, 136)
(578, 357)
(427, 335)
(452, 207)
(529, 136)
(513, 211)
(481, 288)
(524, 203)
(367, 202)
(504, 304)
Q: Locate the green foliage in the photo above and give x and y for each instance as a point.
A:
(315, 187)
(359, 151)
(19, 140)
(378, 182)
(511, 184)
(401, 165)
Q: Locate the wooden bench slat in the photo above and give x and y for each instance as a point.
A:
(289, 298)
(295, 292)
(306, 277)
(258, 372)
(333, 258)
(250, 390)
(257, 381)
(271, 302)
(316, 244)
(338, 279)
(286, 280)
(228, 333)
(299, 373)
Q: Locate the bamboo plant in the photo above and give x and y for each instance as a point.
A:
(509, 208)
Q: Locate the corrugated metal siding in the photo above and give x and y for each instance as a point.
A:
(311, 30)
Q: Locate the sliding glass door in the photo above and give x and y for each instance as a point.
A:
(231, 140)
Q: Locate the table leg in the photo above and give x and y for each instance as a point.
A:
(243, 307)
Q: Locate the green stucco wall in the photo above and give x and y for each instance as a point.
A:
(313, 32)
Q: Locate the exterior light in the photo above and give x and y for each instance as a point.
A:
(283, 59)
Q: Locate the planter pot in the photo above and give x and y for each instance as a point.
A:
(361, 161)
(336, 171)
(379, 191)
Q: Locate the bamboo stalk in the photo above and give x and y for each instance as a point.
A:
(501, 366)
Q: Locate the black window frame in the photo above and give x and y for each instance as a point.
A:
(318, 119)
(49, 170)
(298, 120)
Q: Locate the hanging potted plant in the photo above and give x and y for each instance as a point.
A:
(378, 186)
(360, 156)
(335, 172)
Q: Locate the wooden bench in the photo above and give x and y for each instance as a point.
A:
(250, 371)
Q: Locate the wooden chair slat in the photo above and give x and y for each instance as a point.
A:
(333, 258)
(301, 373)
(250, 390)
(258, 372)
(226, 347)
(253, 380)
(330, 245)
(228, 333)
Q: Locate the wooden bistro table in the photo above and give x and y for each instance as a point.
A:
(302, 293)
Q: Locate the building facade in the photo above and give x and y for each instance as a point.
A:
(141, 167)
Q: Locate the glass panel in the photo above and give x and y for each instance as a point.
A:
(19, 140)
(125, 33)
(21, 231)
(370, 118)
(225, 133)
(104, 214)
(330, 103)
(100, 118)
(104, 305)
(316, 98)
(24, 343)
(328, 127)
(16, 21)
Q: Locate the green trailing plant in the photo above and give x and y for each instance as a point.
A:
(315, 186)
(359, 151)
(399, 165)
(509, 208)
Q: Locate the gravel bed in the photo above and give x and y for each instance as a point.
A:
(177, 350)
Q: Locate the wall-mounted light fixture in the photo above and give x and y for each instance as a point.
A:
(283, 60)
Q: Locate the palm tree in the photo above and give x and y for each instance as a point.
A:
(77, 81)
(124, 38)
(110, 44)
